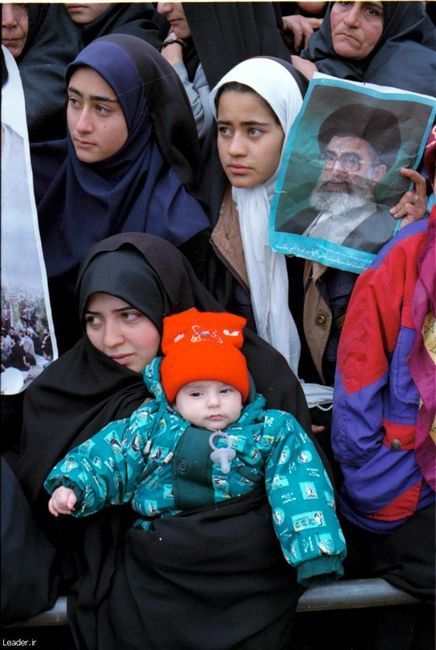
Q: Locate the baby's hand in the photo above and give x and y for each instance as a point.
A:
(62, 501)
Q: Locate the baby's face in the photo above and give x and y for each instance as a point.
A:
(209, 404)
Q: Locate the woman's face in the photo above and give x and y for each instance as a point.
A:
(15, 26)
(173, 12)
(96, 121)
(82, 14)
(356, 28)
(250, 139)
(120, 331)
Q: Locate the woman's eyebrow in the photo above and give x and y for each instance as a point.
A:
(245, 123)
(98, 98)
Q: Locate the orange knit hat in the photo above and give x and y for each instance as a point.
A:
(203, 346)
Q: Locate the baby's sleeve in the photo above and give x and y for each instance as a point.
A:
(105, 469)
(303, 505)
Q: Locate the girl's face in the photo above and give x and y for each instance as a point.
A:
(121, 331)
(96, 121)
(250, 139)
(356, 28)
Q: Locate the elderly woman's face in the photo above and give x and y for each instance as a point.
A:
(356, 28)
(174, 13)
(15, 26)
(121, 331)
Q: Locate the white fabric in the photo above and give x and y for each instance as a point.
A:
(267, 273)
(318, 395)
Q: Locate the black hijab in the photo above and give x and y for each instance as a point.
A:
(236, 31)
(36, 14)
(134, 18)
(138, 189)
(52, 43)
(83, 390)
(404, 57)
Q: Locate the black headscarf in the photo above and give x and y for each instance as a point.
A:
(135, 282)
(134, 18)
(52, 43)
(36, 14)
(404, 57)
(226, 33)
(83, 390)
(138, 189)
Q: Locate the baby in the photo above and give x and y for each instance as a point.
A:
(205, 438)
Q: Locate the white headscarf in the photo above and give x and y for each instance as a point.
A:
(267, 273)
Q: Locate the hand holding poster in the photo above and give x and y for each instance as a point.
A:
(340, 176)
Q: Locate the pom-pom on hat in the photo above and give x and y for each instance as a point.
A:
(203, 346)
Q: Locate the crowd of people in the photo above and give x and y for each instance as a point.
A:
(226, 425)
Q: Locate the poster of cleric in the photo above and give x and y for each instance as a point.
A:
(339, 174)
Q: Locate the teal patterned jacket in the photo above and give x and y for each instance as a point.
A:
(161, 465)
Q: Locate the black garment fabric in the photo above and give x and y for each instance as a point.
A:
(235, 30)
(405, 558)
(141, 188)
(52, 43)
(134, 18)
(408, 36)
(28, 560)
(212, 578)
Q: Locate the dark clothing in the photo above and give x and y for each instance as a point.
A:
(212, 578)
(52, 43)
(408, 35)
(134, 18)
(28, 578)
(405, 557)
(237, 30)
(141, 188)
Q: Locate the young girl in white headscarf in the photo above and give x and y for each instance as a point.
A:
(255, 105)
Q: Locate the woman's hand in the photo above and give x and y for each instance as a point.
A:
(62, 501)
(172, 49)
(304, 66)
(302, 29)
(413, 204)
